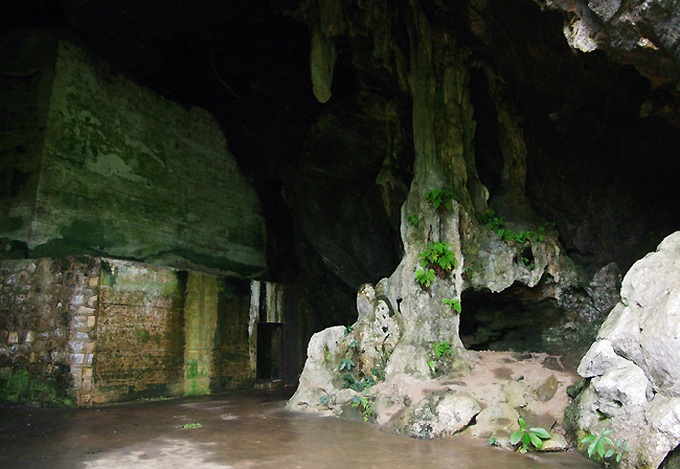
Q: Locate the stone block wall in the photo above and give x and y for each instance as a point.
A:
(84, 330)
(47, 329)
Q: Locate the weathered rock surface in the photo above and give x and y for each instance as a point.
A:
(641, 33)
(112, 168)
(632, 369)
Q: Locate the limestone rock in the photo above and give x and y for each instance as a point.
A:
(498, 420)
(633, 367)
(557, 442)
(547, 389)
(439, 415)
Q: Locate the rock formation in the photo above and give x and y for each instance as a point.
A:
(632, 370)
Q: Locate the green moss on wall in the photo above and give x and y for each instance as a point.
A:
(20, 386)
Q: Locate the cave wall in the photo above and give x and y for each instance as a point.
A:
(84, 330)
(112, 168)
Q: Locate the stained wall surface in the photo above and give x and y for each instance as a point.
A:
(84, 330)
(97, 164)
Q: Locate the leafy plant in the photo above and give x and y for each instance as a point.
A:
(425, 277)
(348, 330)
(441, 199)
(413, 220)
(497, 223)
(528, 436)
(602, 447)
(360, 384)
(190, 425)
(366, 406)
(438, 254)
(442, 349)
(346, 363)
(453, 303)
(526, 262)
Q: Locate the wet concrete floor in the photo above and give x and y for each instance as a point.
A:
(240, 430)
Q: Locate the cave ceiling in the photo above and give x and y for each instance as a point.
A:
(594, 86)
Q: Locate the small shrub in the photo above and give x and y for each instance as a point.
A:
(441, 199)
(366, 406)
(442, 349)
(453, 303)
(346, 364)
(439, 356)
(425, 277)
(601, 447)
(528, 436)
(438, 255)
(497, 223)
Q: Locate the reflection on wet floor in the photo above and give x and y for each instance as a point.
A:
(236, 431)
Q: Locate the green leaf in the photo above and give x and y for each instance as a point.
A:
(522, 423)
(535, 440)
(599, 447)
(591, 449)
(588, 439)
(609, 453)
(526, 438)
(516, 437)
(540, 432)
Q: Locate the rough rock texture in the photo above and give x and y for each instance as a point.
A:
(632, 370)
(115, 169)
(404, 321)
(493, 388)
(641, 33)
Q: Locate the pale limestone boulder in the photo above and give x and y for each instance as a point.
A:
(316, 393)
(498, 420)
(633, 369)
(440, 414)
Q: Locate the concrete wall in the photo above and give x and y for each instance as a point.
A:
(139, 332)
(27, 64)
(95, 164)
(84, 330)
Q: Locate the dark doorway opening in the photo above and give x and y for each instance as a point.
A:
(269, 351)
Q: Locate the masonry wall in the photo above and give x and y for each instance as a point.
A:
(140, 336)
(84, 330)
(47, 330)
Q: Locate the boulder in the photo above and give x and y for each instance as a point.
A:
(438, 415)
(632, 369)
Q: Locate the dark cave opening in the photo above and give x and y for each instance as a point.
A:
(519, 319)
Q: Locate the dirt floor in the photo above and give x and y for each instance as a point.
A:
(240, 430)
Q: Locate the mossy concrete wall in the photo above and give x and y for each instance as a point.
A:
(100, 165)
(139, 332)
(27, 65)
(84, 330)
